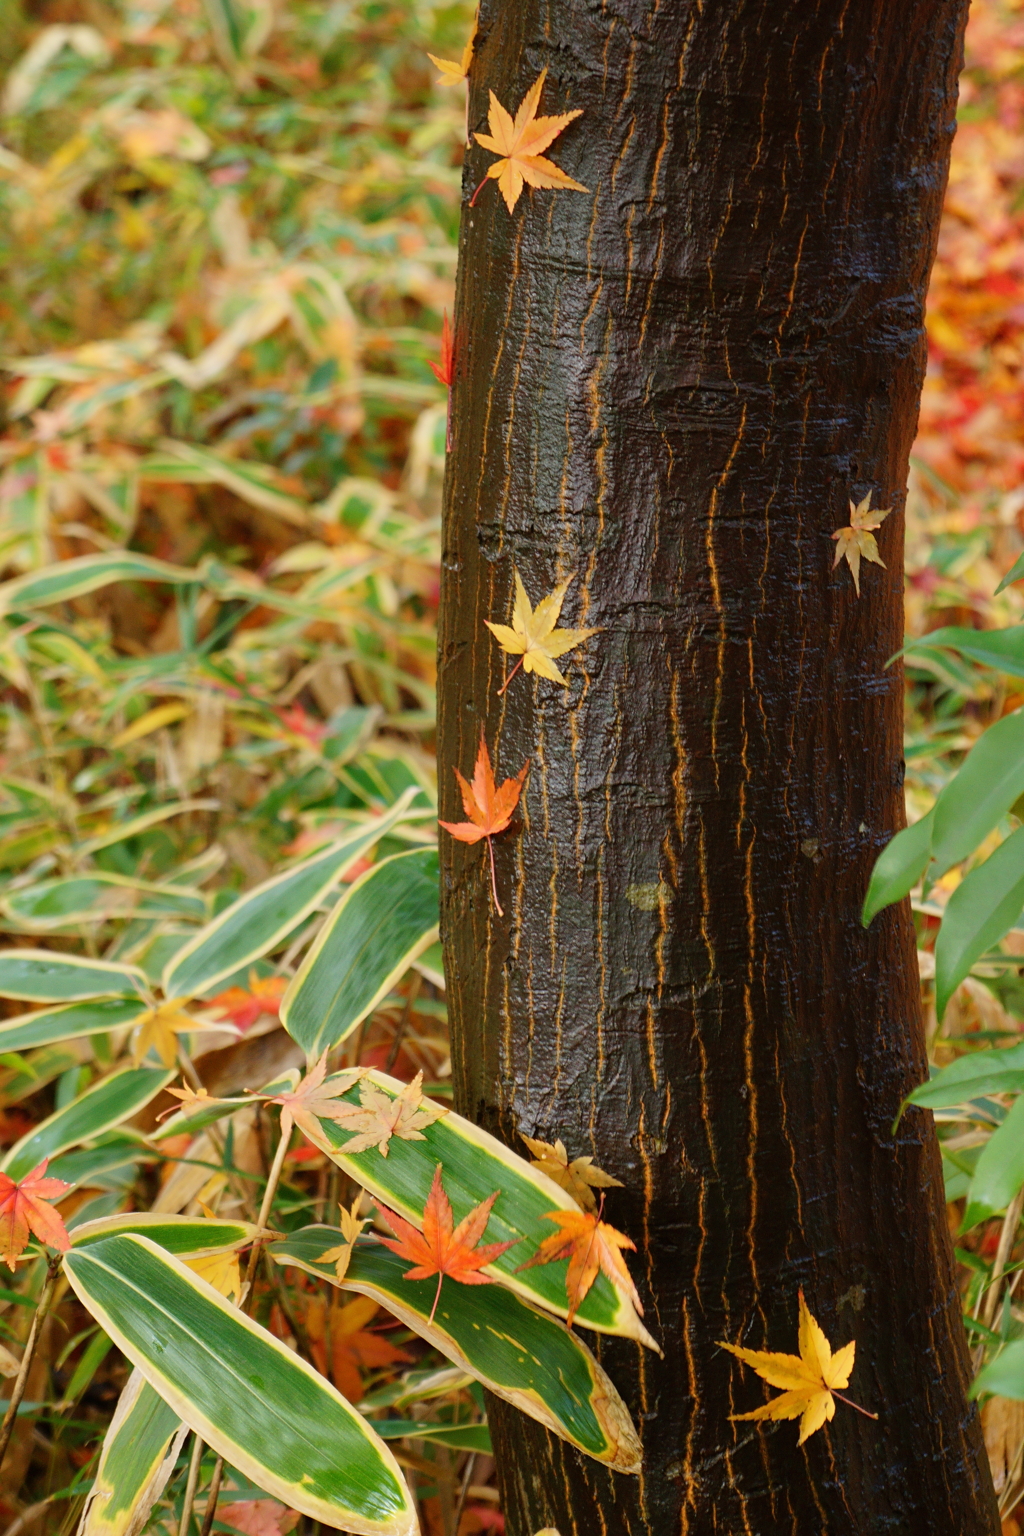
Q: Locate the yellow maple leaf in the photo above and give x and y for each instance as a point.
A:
(453, 73)
(219, 1270)
(857, 540)
(312, 1100)
(351, 1226)
(579, 1178)
(158, 1029)
(809, 1381)
(533, 636)
(519, 142)
(378, 1117)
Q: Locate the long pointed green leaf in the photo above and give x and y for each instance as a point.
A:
(971, 1076)
(475, 1165)
(74, 578)
(46, 1026)
(264, 916)
(899, 867)
(258, 1405)
(999, 1171)
(1001, 649)
(181, 1235)
(106, 1104)
(374, 934)
(984, 906)
(96, 898)
(983, 789)
(520, 1353)
(139, 1451)
(44, 976)
(1005, 1374)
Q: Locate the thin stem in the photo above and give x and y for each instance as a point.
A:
(467, 1478)
(212, 1497)
(511, 675)
(190, 1486)
(273, 1179)
(494, 878)
(403, 1023)
(476, 194)
(851, 1404)
(1007, 1237)
(437, 1295)
(42, 1306)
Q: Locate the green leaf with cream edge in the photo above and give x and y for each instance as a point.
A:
(378, 929)
(261, 1407)
(102, 1106)
(139, 1452)
(518, 1352)
(475, 1165)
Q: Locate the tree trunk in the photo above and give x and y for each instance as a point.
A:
(671, 387)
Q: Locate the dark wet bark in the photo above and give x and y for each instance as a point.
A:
(671, 387)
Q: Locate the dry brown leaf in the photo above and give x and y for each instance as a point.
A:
(579, 1178)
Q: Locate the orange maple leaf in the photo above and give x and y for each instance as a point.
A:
(442, 1248)
(24, 1209)
(243, 1006)
(489, 808)
(341, 1337)
(591, 1246)
(519, 142)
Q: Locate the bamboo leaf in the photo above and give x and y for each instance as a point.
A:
(95, 898)
(258, 1405)
(1000, 649)
(47, 1026)
(44, 976)
(516, 1351)
(139, 1451)
(1005, 1374)
(174, 1234)
(74, 578)
(475, 1165)
(999, 1171)
(107, 1103)
(387, 918)
(971, 1076)
(264, 916)
(984, 906)
(119, 832)
(980, 793)
(899, 867)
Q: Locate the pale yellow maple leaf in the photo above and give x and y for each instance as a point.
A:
(351, 1226)
(857, 540)
(452, 72)
(579, 1178)
(519, 142)
(313, 1100)
(158, 1029)
(219, 1270)
(378, 1116)
(533, 636)
(808, 1380)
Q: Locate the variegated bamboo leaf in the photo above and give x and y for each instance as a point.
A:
(44, 976)
(139, 1451)
(107, 1103)
(74, 578)
(48, 1026)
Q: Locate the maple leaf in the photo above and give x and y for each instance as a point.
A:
(351, 1226)
(579, 1178)
(443, 372)
(377, 1117)
(452, 72)
(857, 540)
(310, 1101)
(219, 1270)
(258, 1517)
(243, 1006)
(442, 1248)
(489, 808)
(808, 1380)
(519, 142)
(533, 636)
(158, 1029)
(592, 1247)
(351, 1345)
(24, 1209)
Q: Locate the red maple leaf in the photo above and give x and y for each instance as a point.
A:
(444, 373)
(24, 1209)
(442, 1248)
(243, 1006)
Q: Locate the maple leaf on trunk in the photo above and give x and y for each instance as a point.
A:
(490, 807)
(442, 1248)
(444, 374)
(592, 1248)
(808, 1380)
(25, 1208)
(858, 541)
(519, 142)
(533, 636)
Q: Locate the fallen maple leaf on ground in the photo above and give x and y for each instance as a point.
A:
(24, 1208)
(489, 808)
(533, 636)
(258, 1517)
(592, 1247)
(158, 1030)
(377, 1117)
(243, 1006)
(808, 1380)
(519, 143)
(579, 1178)
(339, 1336)
(309, 1101)
(219, 1270)
(438, 1249)
(858, 541)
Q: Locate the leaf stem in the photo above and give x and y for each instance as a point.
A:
(437, 1295)
(851, 1404)
(476, 194)
(42, 1306)
(511, 675)
(190, 1487)
(494, 878)
(212, 1497)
